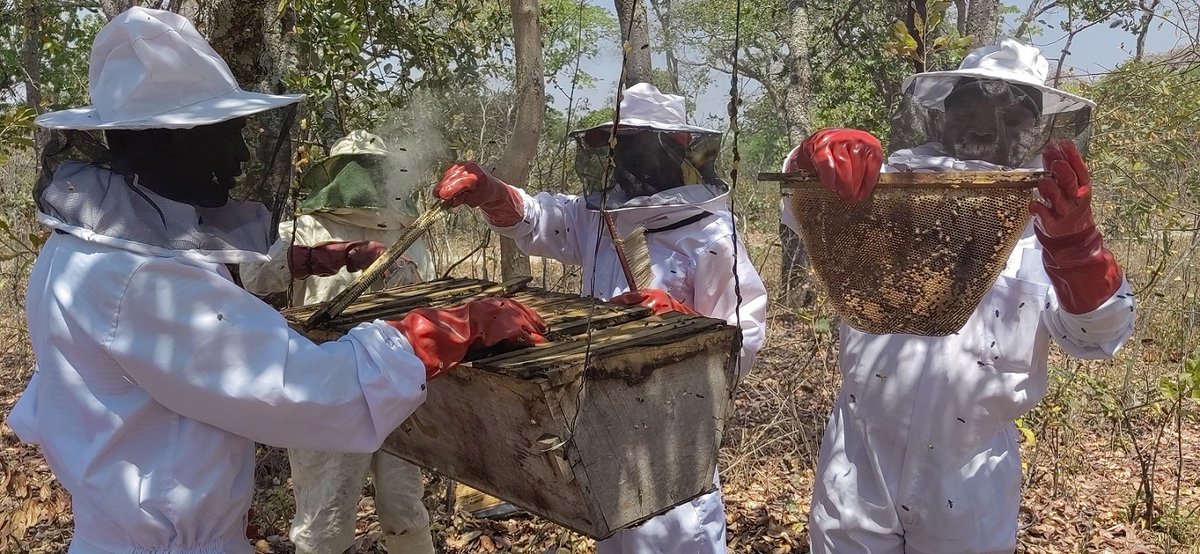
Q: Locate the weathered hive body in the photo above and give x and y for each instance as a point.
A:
(595, 435)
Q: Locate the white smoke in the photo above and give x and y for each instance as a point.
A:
(418, 150)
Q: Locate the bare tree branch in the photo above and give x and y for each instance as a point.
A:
(1144, 26)
(1036, 10)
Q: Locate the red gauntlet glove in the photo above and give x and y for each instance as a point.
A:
(442, 337)
(467, 183)
(327, 258)
(847, 161)
(656, 299)
(1084, 272)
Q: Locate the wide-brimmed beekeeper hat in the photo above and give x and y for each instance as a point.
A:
(151, 69)
(349, 177)
(1011, 61)
(644, 106)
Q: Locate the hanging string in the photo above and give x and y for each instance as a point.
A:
(609, 166)
(734, 101)
(610, 162)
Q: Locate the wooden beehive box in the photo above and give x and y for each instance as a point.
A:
(617, 419)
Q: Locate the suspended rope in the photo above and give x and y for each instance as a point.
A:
(734, 102)
(609, 166)
(611, 161)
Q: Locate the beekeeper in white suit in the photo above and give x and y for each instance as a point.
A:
(920, 453)
(663, 181)
(155, 373)
(356, 205)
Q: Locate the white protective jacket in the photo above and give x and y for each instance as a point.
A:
(920, 453)
(695, 264)
(156, 374)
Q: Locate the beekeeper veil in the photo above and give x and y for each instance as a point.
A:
(659, 160)
(359, 184)
(167, 117)
(994, 111)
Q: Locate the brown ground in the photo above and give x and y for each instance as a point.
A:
(1080, 501)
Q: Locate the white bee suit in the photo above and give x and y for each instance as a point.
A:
(328, 485)
(695, 263)
(156, 374)
(920, 453)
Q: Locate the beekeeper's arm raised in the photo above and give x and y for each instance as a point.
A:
(1091, 309)
(544, 225)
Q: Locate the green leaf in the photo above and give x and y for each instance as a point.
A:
(901, 35)
(1026, 432)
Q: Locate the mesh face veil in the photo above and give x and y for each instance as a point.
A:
(652, 167)
(166, 161)
(987, 120)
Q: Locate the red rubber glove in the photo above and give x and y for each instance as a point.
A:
(467, 183)
(847, 161)
(327, 258)
(657, 300)
(1084, 272)
(442, 337)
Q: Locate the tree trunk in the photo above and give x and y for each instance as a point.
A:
(916, 10)
(981, 22)
(517, 161)
(256, 43)
(662, 11)
(799, 82)
(635, 32)
(960, 10)
(1144, 27)
(797, 291)
(31, 63)
(31, 55)
(112, 8)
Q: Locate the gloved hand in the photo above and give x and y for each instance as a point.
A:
(467, 183)
(847, 161)
(657, 300)
(442, 337)
(327, 258)
(1084, 272)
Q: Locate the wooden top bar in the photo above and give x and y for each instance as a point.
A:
(948, 179)
(614, 329)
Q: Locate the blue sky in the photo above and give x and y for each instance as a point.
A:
(1095, 50)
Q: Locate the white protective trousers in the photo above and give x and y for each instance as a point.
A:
(328, 485)
(699, 265)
